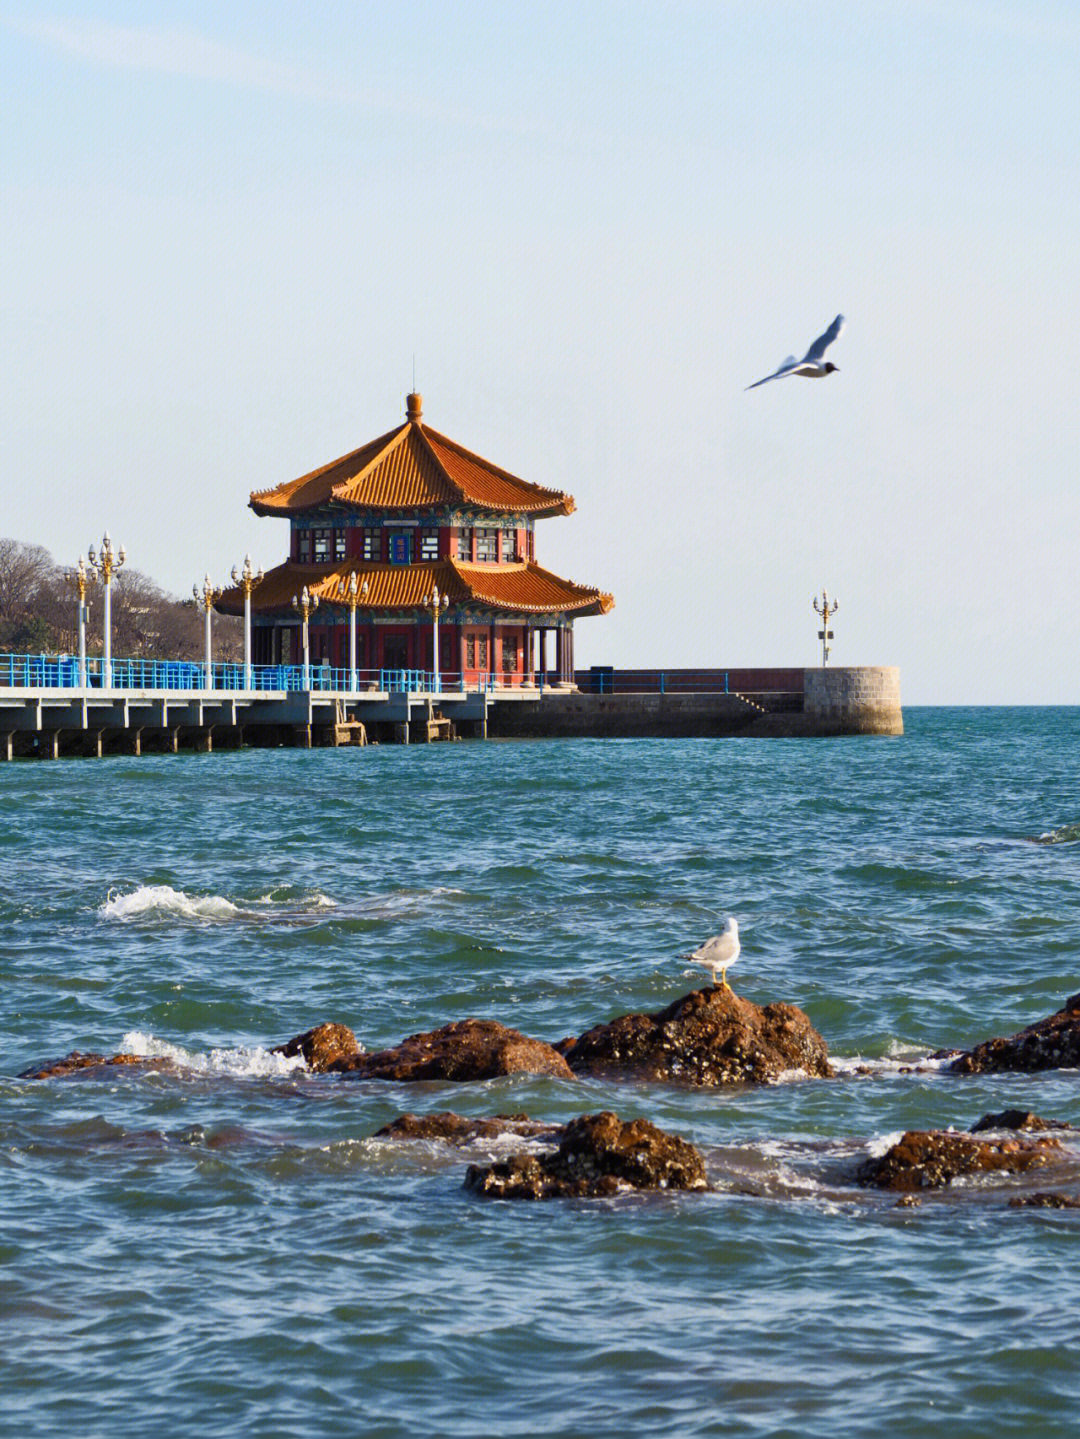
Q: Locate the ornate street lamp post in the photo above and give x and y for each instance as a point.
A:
(354, 594)
(78, 580)
(306, 604)
(106, 563)
(247, 579)
(206, 596)
(825, 608)
(435, 605)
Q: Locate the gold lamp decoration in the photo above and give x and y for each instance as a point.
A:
(78, 582)
(305, 605)
(207, 597)
(435, 605)
(247, 578)
(106, 561)
(826, 608)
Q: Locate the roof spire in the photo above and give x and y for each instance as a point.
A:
(413, 403)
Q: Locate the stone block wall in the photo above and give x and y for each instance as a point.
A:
(863, 700)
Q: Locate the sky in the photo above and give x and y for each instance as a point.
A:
(229, 233)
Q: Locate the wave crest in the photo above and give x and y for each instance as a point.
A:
(246, 1062)
(161, 899)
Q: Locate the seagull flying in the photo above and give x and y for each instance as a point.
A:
(719, 952)
(810, 364)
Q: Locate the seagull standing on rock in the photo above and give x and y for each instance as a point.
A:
(811, 363)
(719, 952)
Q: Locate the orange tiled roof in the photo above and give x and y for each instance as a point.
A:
(411, 467)
(519, 588)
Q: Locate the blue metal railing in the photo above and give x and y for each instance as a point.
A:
(62, 672)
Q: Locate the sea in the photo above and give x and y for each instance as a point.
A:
(224, 1249)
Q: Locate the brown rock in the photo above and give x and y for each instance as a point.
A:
(466, 1050)
(1045, 1200)
(709, 1037)
(599, 1156)
(75, 1061)
(930, 1159)
(322, 1047)
(456, 1129)
(1016, 1119)
(1051, 1043)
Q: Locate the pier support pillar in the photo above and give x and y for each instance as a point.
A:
(302, 736)
(401, 733)
(172, 739)
(204, 740)
(50, 744)
(7, 745)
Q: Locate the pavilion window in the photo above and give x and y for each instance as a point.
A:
(510, 654)
(340, 537)
(509, 545)
(322, 545)
(429, 544)
(487, 545)
(465, 543)
(303, 547)
(470, 652)
(372, 545)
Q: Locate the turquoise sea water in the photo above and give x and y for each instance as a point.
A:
(227, 1251)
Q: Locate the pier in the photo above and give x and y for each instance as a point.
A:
(163, 706)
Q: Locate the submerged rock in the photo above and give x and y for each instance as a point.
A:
(710, 1037)
(1017, 1119)
(76, 1062)
(322, 1047)
(456, 1129)
(931, 1159)
(600, 1155)
(469, 1049)
(1045, 1199)
(1051, 1043)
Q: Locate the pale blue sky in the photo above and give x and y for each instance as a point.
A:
(227, 231)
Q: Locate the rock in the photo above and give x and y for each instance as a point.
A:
(75, 1061)
(1051, 1043)
(930, 1159)
(456, 1129)
(1044, 1199)
(1016, 1119)
(599, 1156)
(466, 1050)
(322, 1047)
(708, 1037)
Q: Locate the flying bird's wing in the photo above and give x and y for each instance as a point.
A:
(822, 343)
(787, 368)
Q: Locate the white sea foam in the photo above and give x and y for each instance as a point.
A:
(244, 1062)
(1066, 834)
(878, 1148)
(161, 899)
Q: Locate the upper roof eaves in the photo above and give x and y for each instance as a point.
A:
(411, 467)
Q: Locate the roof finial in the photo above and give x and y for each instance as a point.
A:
(413, 403)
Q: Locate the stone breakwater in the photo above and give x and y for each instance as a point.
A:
(853, 701)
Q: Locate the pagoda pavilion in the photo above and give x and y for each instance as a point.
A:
(417, 518)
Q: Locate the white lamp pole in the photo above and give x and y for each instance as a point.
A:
(435, 605)
(825, 608)
(107, 563)
(78, 579)
(247, 579)
(206, 596)
(306, 604)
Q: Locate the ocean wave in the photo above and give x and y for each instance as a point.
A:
(161, 899)
(254, 1062)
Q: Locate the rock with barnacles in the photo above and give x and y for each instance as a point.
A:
(469, 1049)
(709, 1037)
(600, 1156)
(931, 1159)
(1051, 1043)
(322, 1047)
